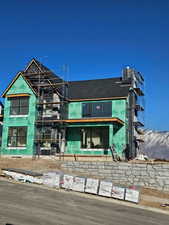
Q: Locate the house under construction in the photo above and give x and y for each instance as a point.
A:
(46, 115)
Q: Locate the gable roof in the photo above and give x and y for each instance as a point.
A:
(13, 81)
(36, 73)
(33, 68)
(39, 65)
(100, 88)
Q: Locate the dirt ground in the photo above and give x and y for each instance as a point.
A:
(154, 198)
(149, 197)
(30, 164)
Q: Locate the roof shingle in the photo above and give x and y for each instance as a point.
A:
(101, 88)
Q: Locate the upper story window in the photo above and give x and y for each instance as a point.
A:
(19, 106)
(97, 109)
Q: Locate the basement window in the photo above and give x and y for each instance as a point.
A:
(95, 137)
(97, 109)
(19, 106)
(17, 136)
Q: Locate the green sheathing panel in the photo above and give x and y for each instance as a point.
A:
(127, 127)
(75, 110)
(119, 132)
(20, 86)
(73, 141)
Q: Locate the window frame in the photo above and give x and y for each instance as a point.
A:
(90, 131)
(17, 105)
(89, 109)
(17, 137)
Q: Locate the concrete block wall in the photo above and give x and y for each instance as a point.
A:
(152, 175)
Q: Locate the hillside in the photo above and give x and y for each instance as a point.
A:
(156, 144)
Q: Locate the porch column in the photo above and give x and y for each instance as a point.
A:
(110, 135)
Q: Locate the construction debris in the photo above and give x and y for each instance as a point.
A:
(23, 175)
(164, 205)
(75, 183)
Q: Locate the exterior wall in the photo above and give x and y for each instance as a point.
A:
(73, 141)
(75, 110)
(117, 134)
(152, 175)
(20, 86)
(118, 109)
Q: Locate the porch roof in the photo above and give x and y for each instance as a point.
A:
(95, 120)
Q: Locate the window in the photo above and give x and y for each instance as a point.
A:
(19, 106)
(95, 137)
(97, 109)
(17, 136)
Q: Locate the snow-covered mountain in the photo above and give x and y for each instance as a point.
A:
(156, 144)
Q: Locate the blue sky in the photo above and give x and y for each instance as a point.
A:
(96, 39)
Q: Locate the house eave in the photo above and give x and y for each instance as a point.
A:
(96, 99)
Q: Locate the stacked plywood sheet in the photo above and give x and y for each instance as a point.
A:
(105, 188)
(52, 179)
(76, 183)
(92, 186)
(132, 195)
(79, 184)
(68, 181)
(118, 192)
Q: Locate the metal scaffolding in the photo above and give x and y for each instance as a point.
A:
(136, 107)
(52, 98)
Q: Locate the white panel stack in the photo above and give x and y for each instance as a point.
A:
(92, 186)
(16, 176)
(37, 180)
(29, 179)
(67, 181)
(79, 184)
(9, 173)
(51, 179)
(118, 192)
(19, 177)
(132, 195)
(105, 188)
(23, 177)
(59, 179)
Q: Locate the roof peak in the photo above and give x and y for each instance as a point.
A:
(37, 64)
